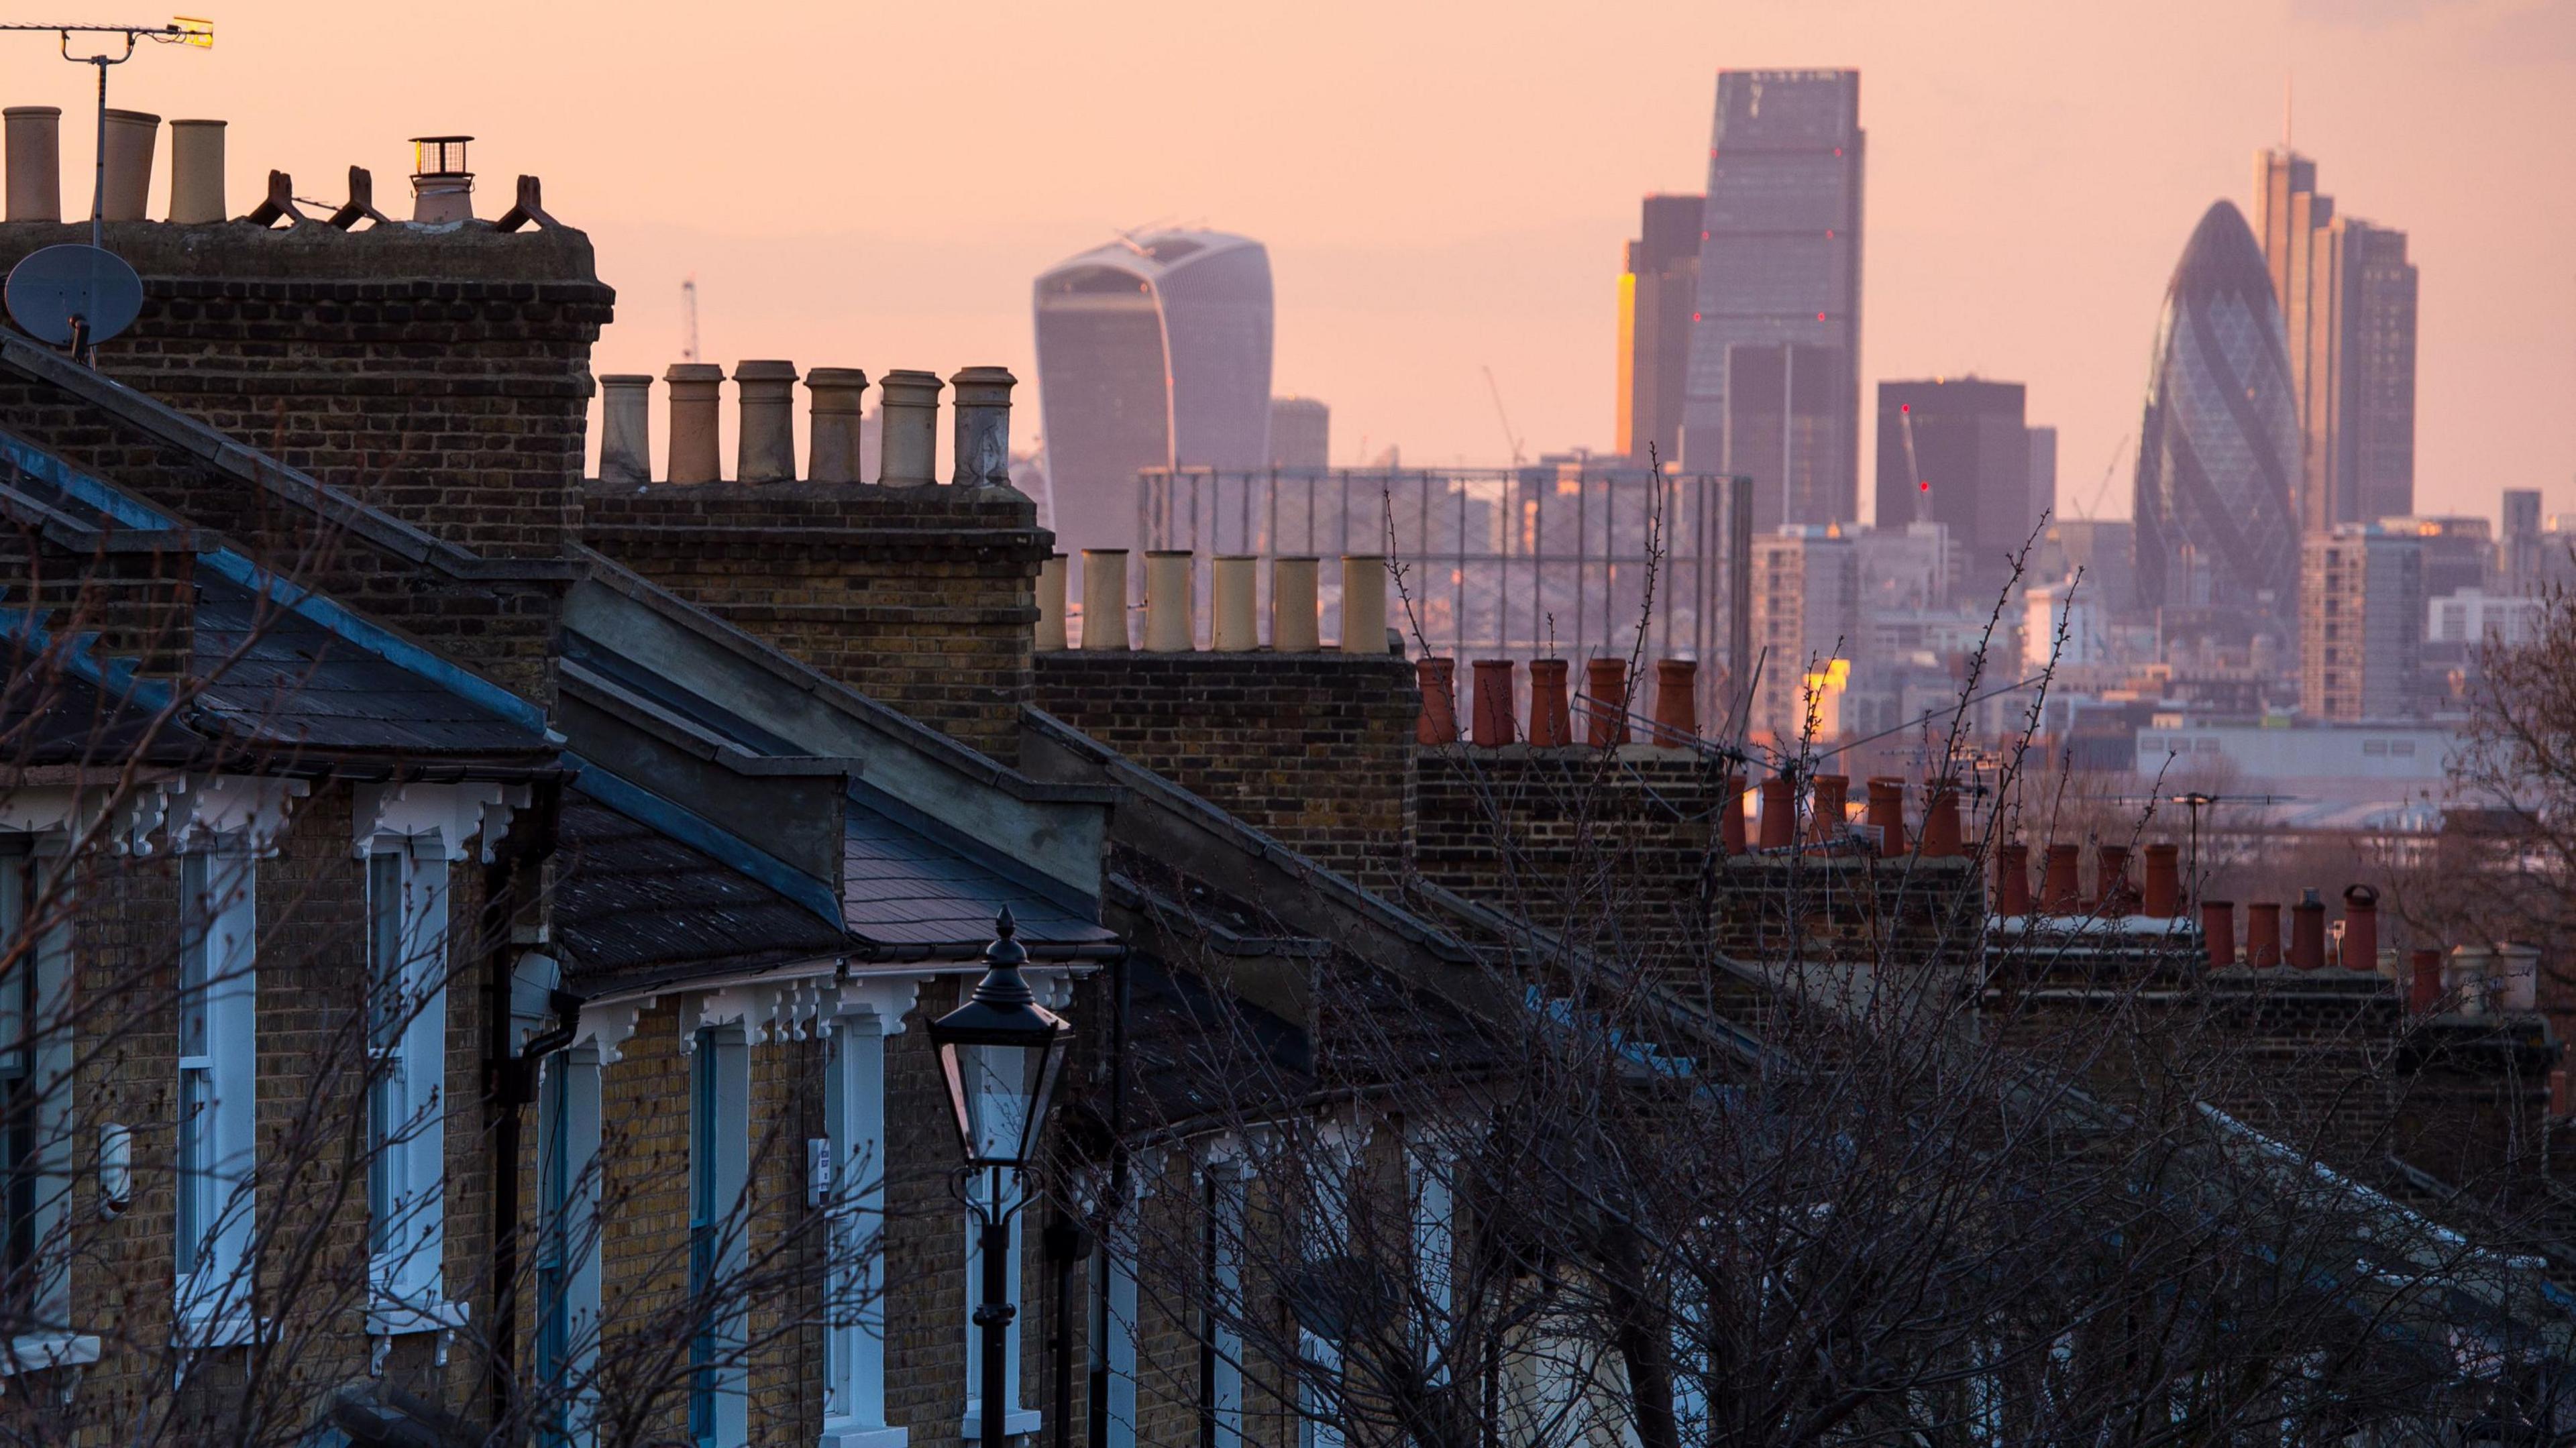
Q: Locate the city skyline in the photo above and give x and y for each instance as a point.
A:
(1399, 219)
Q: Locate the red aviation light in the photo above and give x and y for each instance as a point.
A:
(1820, 316)
(1924, 487)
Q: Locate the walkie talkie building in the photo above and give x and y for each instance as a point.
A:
(1153, 352)
(2218, 450)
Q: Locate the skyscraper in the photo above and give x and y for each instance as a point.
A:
(1779, 264)
(2218, 449)
(2347, 295)
(1968, 467)
(1153, 352)
(1656, 295)
(1783, 417)
(1301, 433)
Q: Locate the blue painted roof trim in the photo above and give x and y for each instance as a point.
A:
(698, 833)
(79, 653)
(315, 608)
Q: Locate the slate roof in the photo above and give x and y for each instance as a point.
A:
(902, 886)
(630, 899)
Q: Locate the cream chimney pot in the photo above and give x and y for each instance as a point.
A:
(765, 445)
(696, 390)
(1104, 600)
(1234, 600)
(130, 136)
(1363, 603)
(196, 172)
(1293, 628)
(908, 434)
(981, 450)
(625, 428)
(1051, 633)
(35, 162)
(1171, 626)
(832, 441)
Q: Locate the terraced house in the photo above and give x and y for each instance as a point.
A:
(475, 931)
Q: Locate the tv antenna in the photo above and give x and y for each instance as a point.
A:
(689, 317)
(188, 30)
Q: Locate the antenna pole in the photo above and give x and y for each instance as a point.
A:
(98, 184)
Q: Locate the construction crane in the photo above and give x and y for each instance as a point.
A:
(689, 317)
(1510, 438)
(1922, 484)
(2108, 469)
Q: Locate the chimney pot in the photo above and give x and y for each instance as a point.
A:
(980, 450)
(128, 189)
(1676, 701)
(1829, 808)
(1495, 706)
(1605, 683)
(2424, 981)
(2059, 891)
(1730, 815)
(1886, 813)
(196, 172)
(695, 389)
(2218, 932)
(2308, 932)
(1779, 812)
(1171, 614)
(35, 162)
(2012, 880)
(765, 444)
(832, 435)
(1051, 630)
(2164, 881)
(2360, 928)
(908, 447)
(625, 426)
(2111, 879)
(442, 188)
(1293, 613)
(1104, 597)
(1235, 598)
(1549, 728)
(1438, 721)
(1363, 603)
(1942, 838)
(2263, 934)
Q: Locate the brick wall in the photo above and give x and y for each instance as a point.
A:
(922, 598)
(1314, 749)
(445, 377)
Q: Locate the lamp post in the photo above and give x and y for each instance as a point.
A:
(999, 1054)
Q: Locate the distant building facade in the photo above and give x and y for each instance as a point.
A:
(2520, 550)
(2347, 295)
(1153, 351)
(2043, 470)
(1781, 265)
(2218, 447)
(2361, 623)
(2459, 552)
(1782, 421)
(1657, 294)
(1968, 467)
(1301, 433)
(1806, 619)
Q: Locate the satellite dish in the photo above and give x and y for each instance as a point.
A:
(74, 295)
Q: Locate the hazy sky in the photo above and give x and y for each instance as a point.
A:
(1445, 187)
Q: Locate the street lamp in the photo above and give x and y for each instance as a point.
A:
(999, 1053)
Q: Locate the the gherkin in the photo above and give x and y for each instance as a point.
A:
(2219, 447)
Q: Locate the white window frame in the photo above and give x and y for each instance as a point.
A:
(1113, 1326)
(1225, 1214)
(854, 1390)
(1019, 1418)
(216, 1143)
(1431, 1165)
(408, 1097)
(719, 1206)
(34, 1051)
(568, 1239)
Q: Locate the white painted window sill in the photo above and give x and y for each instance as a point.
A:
(36, 1351)
(841, 1434)
(1014, 1423)
(388, 1318)
(213, 1329)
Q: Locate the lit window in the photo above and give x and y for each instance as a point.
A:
(218, 1077)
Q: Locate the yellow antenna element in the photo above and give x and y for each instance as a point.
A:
(194, 30)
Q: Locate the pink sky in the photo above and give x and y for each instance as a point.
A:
(1445, 187)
